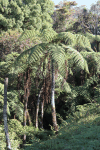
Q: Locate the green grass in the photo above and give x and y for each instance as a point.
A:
(82, 133)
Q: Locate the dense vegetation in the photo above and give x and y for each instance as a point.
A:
(51, 60)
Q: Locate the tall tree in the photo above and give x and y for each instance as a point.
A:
(27, 83)
(58, 54)
(83, 19)
(95, 9)
(61, 15)
(11, 15)
(87, 20)
(53, 99)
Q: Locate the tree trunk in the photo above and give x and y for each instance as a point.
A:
(53, 100)
(5, 115)
(14, 116)
(42, 105)
(26, 96)
(25, 116)
(97, 46)
(37, 110)
(28, 117)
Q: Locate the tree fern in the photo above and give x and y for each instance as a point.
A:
(66, 37)
(58, 87)
(32, 34)
(84, 90)
(59, 54)
(92, 37)
(77, 58)
(92, 60)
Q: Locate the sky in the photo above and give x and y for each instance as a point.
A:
(79, 2)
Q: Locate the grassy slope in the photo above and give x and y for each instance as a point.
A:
(82, 133)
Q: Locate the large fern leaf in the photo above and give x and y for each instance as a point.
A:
(77, 58)
(58, 55)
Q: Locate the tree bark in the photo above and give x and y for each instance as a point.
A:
(28, 117)
(97, 46)
(42, 105)
(53, 100)
(26, 96)
(25, 116)
(37, 110)
(5, 115)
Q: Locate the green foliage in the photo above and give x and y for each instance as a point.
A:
(78, 131)
(92, 60)
(1, 106)
(1, 88)
(15, 133)
(47, 35)
(9, 43)
(2, 102)
(62, 16)
(16, 126)
(32, 15)
(58, 54)
(85, 112)
(76, 50)
(82, 43)
(28, 34)
(6, 66)
(16, 107)
(92, 37)
(53, 144)
(76, 58)
(65, 37)
(82, 93)
(58, 83)
(16, 16)
(13, 104)
(2, 137)
(97, 94)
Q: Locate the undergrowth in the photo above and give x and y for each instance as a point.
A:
(78, 132)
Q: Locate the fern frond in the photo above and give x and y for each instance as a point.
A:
(65, 87)
(32, 34)
(90, 36)
(97, 38)
(58, 55)
(47, 35)
(82, 43)
(68, 37)
(37, 52)
(77, 58)
(95, 59)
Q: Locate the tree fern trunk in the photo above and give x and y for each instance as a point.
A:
(53, 100)
(37, 110)
(42, 105)
(5, 115)
(97, 46)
